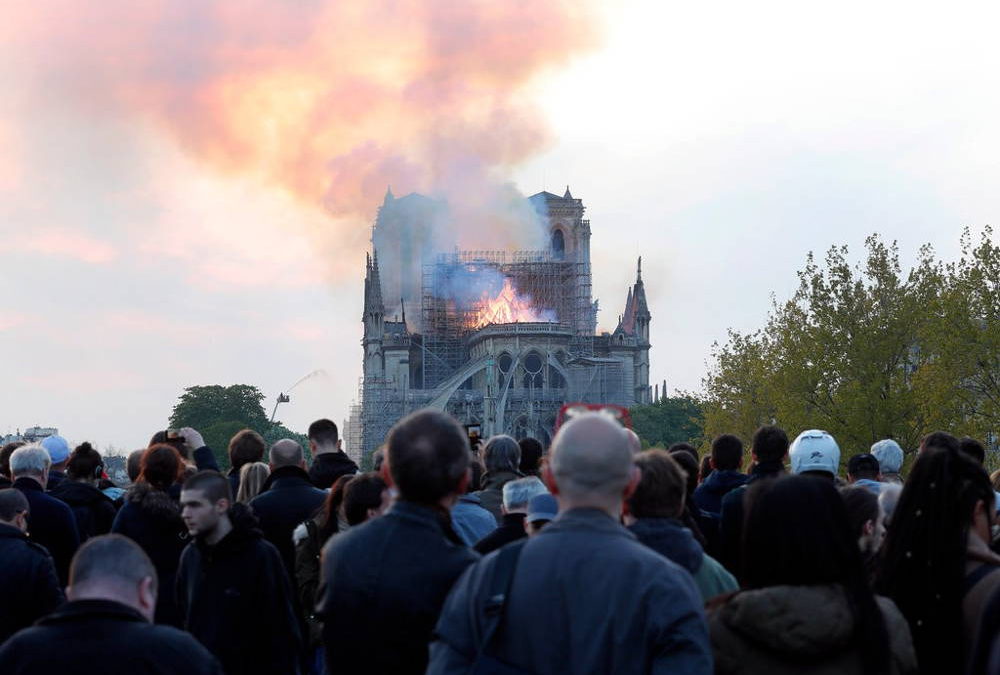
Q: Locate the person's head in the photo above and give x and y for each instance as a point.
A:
(286, 452)
(865, 517)
(378, 457)
(973, 448)
(687, 458)
(704, 467)
(252, 479)
(113, 567)
(940, 440)
(531, 455)
(161, 466)
(542, 509)
(5, 452)
(517, 493)
(428, 457)
(476, 472)
(332, 510)
(769, 444)
(58, 450)
(501, 453)
(133, 465)
(85, 464)
(889, 456)
(205, 501)
(815, 452)
(727, 453)
(14, 509)
(662, 487)
(161, 438)
(245, 447)
(365, 496)
(590, 464)
(946, 501)
(634, 442)
(863, 467)
(323, 437)
(797, 533)
(30, 461)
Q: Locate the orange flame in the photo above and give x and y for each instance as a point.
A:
(509, 307)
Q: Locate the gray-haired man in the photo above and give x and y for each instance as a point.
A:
(516, 495)
(632, 610)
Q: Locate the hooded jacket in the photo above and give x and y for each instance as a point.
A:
(152, 519)
(799, 629)
(327, 467)
(671, 539)
(94, 511)
(29, 587)
(51, 524)
(103, 637)
(286, 500)
(235, 598)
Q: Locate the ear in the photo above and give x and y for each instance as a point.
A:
(222, 506)
(550, 480)
(147, 597)
(312, 447)
(711, 463)
(868, 528)
(463, 482)
(634, 476)
(340, 443)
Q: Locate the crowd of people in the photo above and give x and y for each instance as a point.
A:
(594, 556)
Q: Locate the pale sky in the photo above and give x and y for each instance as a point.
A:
(185, 193)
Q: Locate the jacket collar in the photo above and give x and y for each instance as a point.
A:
(670, 538)
(11, 532)
(591, 520)
(498, 478)
(426, 516)
(286, 476)
(26, 483)
(514, 520)
(78, 610)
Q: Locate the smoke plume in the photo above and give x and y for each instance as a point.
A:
(331, 101)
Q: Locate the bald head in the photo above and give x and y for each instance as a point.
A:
(591, 458)
(285, 452)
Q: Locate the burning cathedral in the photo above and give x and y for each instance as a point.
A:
(500, 339)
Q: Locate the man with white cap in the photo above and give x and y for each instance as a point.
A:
(890, 460)
(58, 450)
(815, 452)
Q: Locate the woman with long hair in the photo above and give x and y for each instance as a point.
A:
(805, 606)
(152, 518)
(252, 478)
(937, 564)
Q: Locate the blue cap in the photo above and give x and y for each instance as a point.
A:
(57, 447)
(542, 507)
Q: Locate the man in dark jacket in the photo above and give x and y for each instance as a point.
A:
(329, 461)
(106, 627)
(768, 449)
(232, 588)
(29, 587)
(502, 457)
(726, 458)
(387, 579)
(50, 521)
(287, 499)
(586, 597)
(516, 495)
(245, 447)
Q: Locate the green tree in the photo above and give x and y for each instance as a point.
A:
(219, 412)
(867, 351)
(668, 421)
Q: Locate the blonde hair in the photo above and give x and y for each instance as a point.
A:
(252, 478)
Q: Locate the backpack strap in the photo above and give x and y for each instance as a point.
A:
(500, 584)
(975, 576)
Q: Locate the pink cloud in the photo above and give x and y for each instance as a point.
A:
(64, 243)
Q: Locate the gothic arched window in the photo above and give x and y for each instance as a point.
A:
(558, 245)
